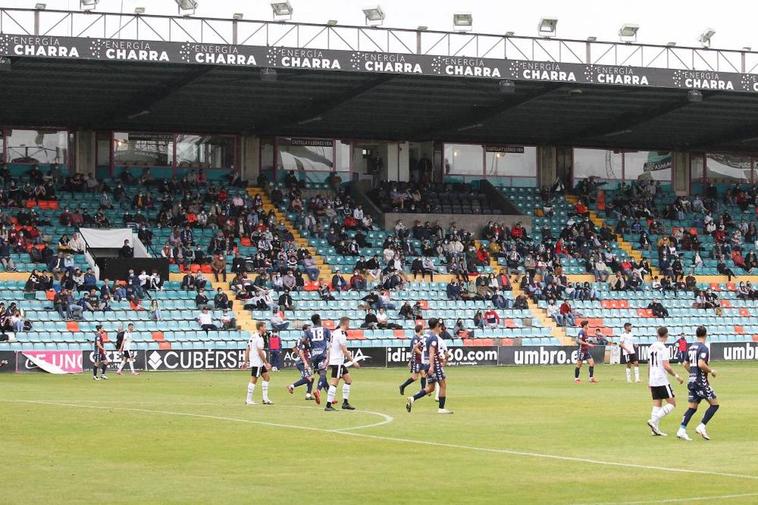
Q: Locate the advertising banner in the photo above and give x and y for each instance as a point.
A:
(370, 357)
(643, 352)
(114, 359)
(195, 359)
(745, 351)
(7, 361)
(545, 355)
(161, 52)
(55, 362)
(456, 356)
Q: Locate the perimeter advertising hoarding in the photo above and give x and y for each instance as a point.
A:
(7, 361)
(545, 355)
(162, 52)
(114, 359)
(456, 356)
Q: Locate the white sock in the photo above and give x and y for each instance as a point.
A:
(628, 375)
(131, 366)
(250, 391)
(345, 392)
(636, 373)
(264, 389)
(436, 392)
(666, 410)
(654, 414)
(331, 394)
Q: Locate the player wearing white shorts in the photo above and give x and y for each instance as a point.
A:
(126, 350)
(255, 358)
(658, 380)
(338, 369)
(628, 344)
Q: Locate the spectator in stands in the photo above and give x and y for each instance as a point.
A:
(357, 281)
(155, 310)
(126, 250)
(218, 265)
(491, 318)
(406, 311)
(567, 314)
(201, 301)
(5, 256)
(310, 268)
(278, 323)
(554, 311)
(285, 301)
(370, 321)
(221, 300)
(723, 269)
(324, 293)
(658, 309)
(371, 300)
(205, 319)
(521, 302)
(338, 282)
(617, 282)
(385, 301)
(498, 300)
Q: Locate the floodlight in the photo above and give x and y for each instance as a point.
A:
(510, 34)
(705, 38)
(282, 10)
(331, 22)
(747, 48)
(506, 87)
(139, 10)
(463, 22)
(547, 27)
(268, 74)
(628, 32)
(592, 39)
(184, 6)
(5, 64)
(40, 6)
(374, 16)
(422, 28)
(88, 4)
(671, 44)
(237, 16)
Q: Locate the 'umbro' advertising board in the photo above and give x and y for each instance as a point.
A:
(747, 351)
(456, 356)
(545, 355)
(114, 359)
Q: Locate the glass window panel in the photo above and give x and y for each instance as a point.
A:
(142, 149)
(512, 163)
(655, 165)
(728, 167)
(696, 167)
(305, 154)
(597, 163)
(37, 146)
(204, 151)
(463, 159)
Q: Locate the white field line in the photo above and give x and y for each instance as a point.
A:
(489, 450)
(676, 500)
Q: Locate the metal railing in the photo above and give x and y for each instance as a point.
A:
(146, 27)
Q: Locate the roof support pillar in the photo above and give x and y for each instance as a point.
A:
(250, 160)
(85, 150)
(680, 172)
(547, 165)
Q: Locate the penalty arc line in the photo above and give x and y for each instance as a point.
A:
(489, 450)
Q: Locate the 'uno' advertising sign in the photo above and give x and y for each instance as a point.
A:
(55, 362)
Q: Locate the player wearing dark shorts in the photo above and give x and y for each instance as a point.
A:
(681, 350)
(100, 356)
(435, 374)
(303, 350)
(582, 340)
(416, 366)
(698, 358)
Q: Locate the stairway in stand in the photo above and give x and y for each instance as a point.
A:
(325, 272)
(623, 244)
(557, 331)
(244, 317)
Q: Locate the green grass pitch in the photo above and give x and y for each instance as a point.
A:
(518, 436)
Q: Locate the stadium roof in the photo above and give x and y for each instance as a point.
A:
(512, 106)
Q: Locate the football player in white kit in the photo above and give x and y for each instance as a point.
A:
(628, 344)
(126, 350)
(255, 358)
(338, 354)
(658, 380)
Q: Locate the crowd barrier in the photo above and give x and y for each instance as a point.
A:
(63, 362)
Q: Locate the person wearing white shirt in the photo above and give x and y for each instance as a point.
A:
(658, 381)
(255, 359)
(205, 319)
(126, 350)
(628, 344)
(338, 352)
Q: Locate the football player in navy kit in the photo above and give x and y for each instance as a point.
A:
(435, 374)
(582, 340)
(417, 368)
(304, 365)
(698, 357)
